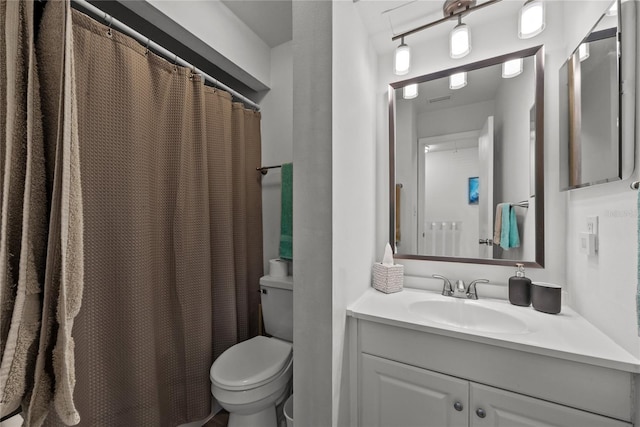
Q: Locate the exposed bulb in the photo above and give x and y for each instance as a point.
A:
(531, 22)
(402, 59)
(459, 41)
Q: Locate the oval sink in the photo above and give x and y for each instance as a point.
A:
(469, 315)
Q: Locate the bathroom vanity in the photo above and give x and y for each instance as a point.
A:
(422, 359)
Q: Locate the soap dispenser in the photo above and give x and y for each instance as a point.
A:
(520, 288)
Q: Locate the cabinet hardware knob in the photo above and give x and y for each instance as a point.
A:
(458, 406)
(481, 413)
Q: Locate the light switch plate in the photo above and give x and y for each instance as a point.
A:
(592, 225)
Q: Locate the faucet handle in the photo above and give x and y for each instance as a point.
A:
(447, 288)
(472, 292)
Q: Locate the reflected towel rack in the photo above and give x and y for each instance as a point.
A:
(635, 185)
(522, 204)
(265, 169)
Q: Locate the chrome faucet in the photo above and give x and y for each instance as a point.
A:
(460, 290)
(447, 288)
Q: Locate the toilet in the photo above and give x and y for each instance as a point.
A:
(252, 377)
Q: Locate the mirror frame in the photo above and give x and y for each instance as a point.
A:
(573, 144)
(538, 53)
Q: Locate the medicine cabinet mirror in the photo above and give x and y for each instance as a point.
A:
(591, 97)
(463, 151)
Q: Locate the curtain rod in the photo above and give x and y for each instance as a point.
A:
(150, 44)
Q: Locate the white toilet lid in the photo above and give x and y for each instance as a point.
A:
(251, 363)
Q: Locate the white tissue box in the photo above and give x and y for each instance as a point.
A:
(388, 278)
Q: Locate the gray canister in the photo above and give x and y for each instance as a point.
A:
(546, 297)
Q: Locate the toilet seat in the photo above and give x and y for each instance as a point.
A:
(251, 364)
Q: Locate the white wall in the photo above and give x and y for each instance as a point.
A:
(353, 187)
(312, 212)
(213, 23)
(603, 287)
(277, 144)
(488, 41)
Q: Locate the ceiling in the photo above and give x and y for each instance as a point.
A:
(271, 20)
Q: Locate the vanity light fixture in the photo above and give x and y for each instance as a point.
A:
(583, 51)
(459, 40)
(458, 80)
(532, 21)
(512, 68)
(402, 59)
(410, 91)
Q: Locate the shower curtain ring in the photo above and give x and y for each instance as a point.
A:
(175, 62)
(146, 48)
(109, 33)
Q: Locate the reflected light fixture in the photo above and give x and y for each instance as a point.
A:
(410, 91)
(402, 59)
(583, 51)
(613, 10)
(531, 22)
(460, 40)
(512, 68)
(458, 80)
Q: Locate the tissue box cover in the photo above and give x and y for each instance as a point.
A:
(388, 278)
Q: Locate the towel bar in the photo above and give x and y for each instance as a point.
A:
(522, 204)
(264, 169)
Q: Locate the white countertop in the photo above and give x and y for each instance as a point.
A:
(566, 335)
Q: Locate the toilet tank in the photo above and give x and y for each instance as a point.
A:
(276, 295)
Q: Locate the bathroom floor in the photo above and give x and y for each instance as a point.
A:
(220, 420)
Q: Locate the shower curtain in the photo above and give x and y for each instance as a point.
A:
(168, 241)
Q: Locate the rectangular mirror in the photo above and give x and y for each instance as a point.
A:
(466, 147)
(591, 150)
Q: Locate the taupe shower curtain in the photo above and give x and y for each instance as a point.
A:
(168, 241)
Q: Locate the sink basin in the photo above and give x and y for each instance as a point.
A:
(469, 315)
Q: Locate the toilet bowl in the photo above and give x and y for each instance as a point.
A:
(252, 377)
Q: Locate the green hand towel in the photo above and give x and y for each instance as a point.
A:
(286, 214)
(514, 236)
(509, 236)
(504, 232)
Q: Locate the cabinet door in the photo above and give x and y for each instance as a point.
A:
(498, 408)
(399, 395)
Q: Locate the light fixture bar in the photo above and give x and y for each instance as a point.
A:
(445, 19)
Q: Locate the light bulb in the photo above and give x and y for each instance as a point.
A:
(410, 91)
(402, 60)
(460, 41)
(458, 80)
(583, 51)
(512, 68)
(531, 22)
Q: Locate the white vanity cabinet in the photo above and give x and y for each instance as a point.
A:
(395, 394)
(406, 377)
